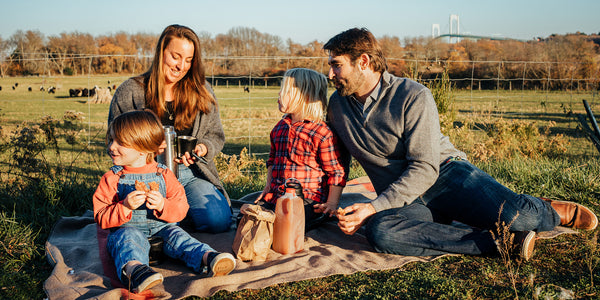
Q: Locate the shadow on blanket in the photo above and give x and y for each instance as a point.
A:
(83, 269)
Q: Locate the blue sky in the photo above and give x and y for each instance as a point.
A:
(304, 21)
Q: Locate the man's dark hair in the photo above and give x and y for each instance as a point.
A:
(354, 42)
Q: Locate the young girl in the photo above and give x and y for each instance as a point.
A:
(139, 198)
(303, 147)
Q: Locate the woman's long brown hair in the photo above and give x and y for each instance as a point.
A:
(191, 95)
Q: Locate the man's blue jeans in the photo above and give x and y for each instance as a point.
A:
(461, 193)
(129, 243)
(209, 209)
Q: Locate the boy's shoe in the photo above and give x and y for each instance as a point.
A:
(573, 214)
(524, 242)
(220, 264)
(141, 279)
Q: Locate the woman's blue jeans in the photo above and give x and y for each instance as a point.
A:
(129, 243)
(462, 193)
(209, 209)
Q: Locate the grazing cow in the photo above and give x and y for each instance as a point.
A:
(246, 89)
(16, 84)
(29, 88)
(74, 92)
(85, 92)
(0, 87)
(92, 92)
(101, 95)
(13, 87)
(51, 90)
(42, 88)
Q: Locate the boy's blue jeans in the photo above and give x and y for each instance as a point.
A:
(129, 243)
(209, 209)
(462, 193)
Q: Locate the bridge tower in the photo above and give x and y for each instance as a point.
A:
(435, 30)
(454, 21)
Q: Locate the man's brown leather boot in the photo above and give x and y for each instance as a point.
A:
(574, 215)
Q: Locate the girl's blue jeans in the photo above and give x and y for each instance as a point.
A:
(462, 193)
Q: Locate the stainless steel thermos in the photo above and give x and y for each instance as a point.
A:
(170, 152)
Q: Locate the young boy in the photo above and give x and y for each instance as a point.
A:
(139, 198)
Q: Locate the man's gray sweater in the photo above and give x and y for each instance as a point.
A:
(396, 138)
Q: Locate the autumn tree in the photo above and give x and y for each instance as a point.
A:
(27, 53)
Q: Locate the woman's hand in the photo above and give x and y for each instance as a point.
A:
(134, 199)
(188, 159)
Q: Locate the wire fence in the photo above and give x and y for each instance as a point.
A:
(501, 87)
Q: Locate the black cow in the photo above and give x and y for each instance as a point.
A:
(72, 92)
(246, 89)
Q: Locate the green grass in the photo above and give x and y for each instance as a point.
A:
(53, 181)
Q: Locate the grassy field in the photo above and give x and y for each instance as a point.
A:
(528, 140)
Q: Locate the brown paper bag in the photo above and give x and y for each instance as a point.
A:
(254, 234)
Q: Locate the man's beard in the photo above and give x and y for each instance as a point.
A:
(351, 84)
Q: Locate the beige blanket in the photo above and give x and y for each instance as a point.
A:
(74, 252)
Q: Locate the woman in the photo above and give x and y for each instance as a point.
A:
(175, 88)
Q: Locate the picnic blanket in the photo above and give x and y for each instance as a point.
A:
(83, 269)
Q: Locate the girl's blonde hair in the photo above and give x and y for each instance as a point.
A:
(307, 90)
(139, 130)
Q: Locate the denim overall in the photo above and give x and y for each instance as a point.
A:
(130, 241)
(142, 218)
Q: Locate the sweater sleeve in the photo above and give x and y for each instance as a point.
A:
(128, 96)
(422, 146)
(109, 211)
(176, 205)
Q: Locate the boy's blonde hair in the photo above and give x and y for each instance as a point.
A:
(140, 130)
(307, 90)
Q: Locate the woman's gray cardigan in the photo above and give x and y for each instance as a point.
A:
(130, 95)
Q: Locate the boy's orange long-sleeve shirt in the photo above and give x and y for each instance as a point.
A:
(109, 210)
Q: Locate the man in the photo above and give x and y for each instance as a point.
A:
(390, 125)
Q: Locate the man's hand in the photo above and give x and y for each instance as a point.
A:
(354, 217)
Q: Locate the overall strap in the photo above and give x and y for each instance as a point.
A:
(116, 169)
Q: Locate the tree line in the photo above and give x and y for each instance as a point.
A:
(244, 51)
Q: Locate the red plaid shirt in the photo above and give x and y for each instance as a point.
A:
(306, 151)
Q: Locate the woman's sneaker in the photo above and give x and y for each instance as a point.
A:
(141, 278)
(220, 264)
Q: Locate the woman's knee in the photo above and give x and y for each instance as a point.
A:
(210, 221)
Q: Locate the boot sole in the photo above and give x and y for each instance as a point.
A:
(222, 265)
(528, 246)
